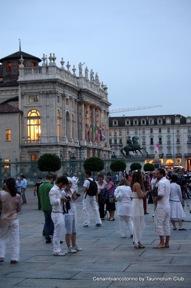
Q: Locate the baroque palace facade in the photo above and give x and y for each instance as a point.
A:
(50, 109)
(166, 137)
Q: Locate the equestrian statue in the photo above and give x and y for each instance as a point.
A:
(134, 147)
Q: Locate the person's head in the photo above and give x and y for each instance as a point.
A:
(137, 177)
(50, 178)
(154, 174)
(62, 182)
(100, 178)
(109, 177)
(88, 173)
(124, 182)
(160, 173)
(10, 186)
(174, 178)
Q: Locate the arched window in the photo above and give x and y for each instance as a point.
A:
(33, 125)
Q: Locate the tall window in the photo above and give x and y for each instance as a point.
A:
(8, 135)
(33, 125)
(58, 125)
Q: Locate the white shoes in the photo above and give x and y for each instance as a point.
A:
(77, 248)
(59, 253)
(71, 250)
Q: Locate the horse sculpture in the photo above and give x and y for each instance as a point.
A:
(133, 146)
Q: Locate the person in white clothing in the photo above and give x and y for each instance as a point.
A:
(162, 212)
(123, 195)
(90, 200)
(57, 197)
(70, 216)
(137, 208)
(10, 205)
(177, 213)
(23, 185)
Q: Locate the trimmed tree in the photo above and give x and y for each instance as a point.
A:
(49, 162)
(135, 166)
(93, 164)
(148, 167)
(118, 165)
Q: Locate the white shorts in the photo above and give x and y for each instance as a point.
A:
(70, 224)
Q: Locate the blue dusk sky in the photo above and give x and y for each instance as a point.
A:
(140, 48)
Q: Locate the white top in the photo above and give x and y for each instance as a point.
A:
(164, 190)
(56, 195)
(123, 195)
(23, 183)
(175, 192)
(101, 186)
(87, 183)
(153, 182)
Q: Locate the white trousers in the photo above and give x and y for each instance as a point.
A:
(125, 223)
(162, 221)
(59, 224)
(10, 232)
(90, 204)
(138, 227)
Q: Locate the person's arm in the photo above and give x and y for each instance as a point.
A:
(19, 203)
(53, 199)
(161, 191)
(117, 193)
(179, 193)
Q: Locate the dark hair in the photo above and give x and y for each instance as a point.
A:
(62, 180)
(100, 175)
(174, 178)
(124, 181)
(50, 176)
(162, 171)
(88, 172)
(137, 177)
(11, 186)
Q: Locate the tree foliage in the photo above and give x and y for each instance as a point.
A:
(135, 166)
(149, 167)
(49, 162)
(118, 165)
(93, 164)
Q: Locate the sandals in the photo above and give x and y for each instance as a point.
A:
(111, 219)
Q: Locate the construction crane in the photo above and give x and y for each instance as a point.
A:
(129, 109)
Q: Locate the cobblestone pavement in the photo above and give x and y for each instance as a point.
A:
(106, 260)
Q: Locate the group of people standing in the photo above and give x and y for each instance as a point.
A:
(58, 204)
(130, 199)
(57, 200)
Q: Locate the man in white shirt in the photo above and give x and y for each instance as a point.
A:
(162, 212)
(57, 196)
(90, 201)
(23, 186)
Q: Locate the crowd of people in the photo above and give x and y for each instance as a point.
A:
(103, 198)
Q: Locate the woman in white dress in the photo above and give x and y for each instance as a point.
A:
(123, 195)
(137, 208)
(176, 211)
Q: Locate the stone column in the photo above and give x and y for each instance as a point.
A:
(93, 124)
(83, 120)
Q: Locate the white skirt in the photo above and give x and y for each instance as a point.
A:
(176, 211)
